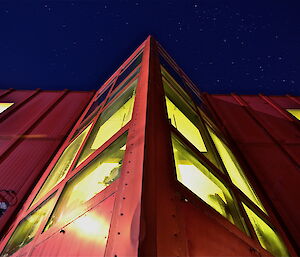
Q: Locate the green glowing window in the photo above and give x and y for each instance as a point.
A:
(185, 126)
(234, 170)
(110, 122)
(4, 106)
(267, 237)
(196, 177)
(295, 113)
(27, 228)
(62, 166)
(99, 174)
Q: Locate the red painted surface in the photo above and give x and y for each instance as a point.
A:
(270, 143)
(31, 131)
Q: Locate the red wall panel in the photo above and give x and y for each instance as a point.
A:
(33, 132)
(272, 154)
(85, 236)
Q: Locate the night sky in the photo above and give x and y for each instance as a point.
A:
(246, 47)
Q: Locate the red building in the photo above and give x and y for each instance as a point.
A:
(153, 167)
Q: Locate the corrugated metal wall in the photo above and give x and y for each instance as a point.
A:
(33, 129)
(268, 137)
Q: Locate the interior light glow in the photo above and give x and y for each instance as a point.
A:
(4, 106)
(295, 113)
(267, 237)
(118, 120)
(59, 171)
(196, 177)
(234, 170)
(185, 126)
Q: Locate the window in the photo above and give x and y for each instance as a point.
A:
(4, 106)
(267, 237)
(185, 119)
(174, 77)
(196, 177)
(234, 170)
(97, 103)
(119, 89)
(129, 69)
(168, 80)
(295, 113)
(110, 122)
(28, 228)
(99, 174)
(185, 126)
(62, 166)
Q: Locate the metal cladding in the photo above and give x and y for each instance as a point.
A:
(31, 131)
(268, 138)
(152, 167)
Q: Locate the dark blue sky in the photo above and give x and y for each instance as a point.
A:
(224, 46)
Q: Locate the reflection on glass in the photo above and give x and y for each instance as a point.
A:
(62, 166)
(168, 79)
(185, 126)
(129, 69)
(267, 237)
(234, 170)
(27, 228)
(110, 122)
(99, 174)
(196, 177)
(96, 103)
(124, 84)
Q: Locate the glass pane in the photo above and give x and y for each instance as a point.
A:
(234, 170)
(185, 126)
(169, 71)
(196, 177)
(129, 69)
(167, 79)
(110, 122)
(99, 174)
(181, 85)
(62, 166)
(4, 106)
(294, 112)
(267, 237)
(97, 102)
(27, 228)
(114, 93)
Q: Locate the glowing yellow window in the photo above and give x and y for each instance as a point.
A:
(196, 177)
(294, 112)
(234, 170)
(99, 174)
(4, 106)
(110, 122)
(267, 237)
(185, 126)
(62, 166)
(27, 228)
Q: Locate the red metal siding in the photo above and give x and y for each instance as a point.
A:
(85, 236)
(30, 136)
(270, 144)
